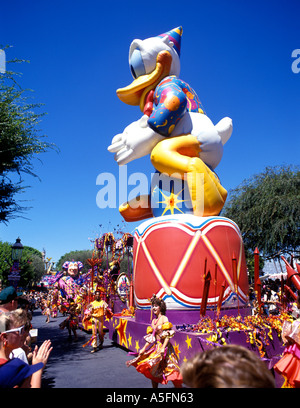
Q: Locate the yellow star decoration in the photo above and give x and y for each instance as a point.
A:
(121, 330)
(188, 342)
(171, 202)
(137, 346)
(176, 349)
(129, 340)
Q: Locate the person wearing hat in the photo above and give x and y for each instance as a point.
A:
(8, 299)
(8, 303)
(15, 373)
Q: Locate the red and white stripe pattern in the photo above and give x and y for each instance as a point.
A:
(161, 267)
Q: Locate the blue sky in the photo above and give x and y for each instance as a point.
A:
(237, 56)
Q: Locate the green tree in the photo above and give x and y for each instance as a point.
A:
(20, 142)
(78, 255)
(31, 265)
(123, 262)
(5, 260)
(266, 208)
(83, 255)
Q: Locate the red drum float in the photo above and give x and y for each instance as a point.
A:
(175, 257)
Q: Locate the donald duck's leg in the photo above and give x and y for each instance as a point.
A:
(181, 155)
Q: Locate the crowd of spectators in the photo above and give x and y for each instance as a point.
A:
(21, 364)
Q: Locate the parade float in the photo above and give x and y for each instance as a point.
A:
(72, 286)
(105, 275)
(183, 252)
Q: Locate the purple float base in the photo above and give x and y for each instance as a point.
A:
(129, 332)
(179, 317)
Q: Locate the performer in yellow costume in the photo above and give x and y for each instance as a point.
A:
(97, 312)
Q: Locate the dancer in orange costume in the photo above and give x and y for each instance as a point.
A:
(289, 365)
(157, 360)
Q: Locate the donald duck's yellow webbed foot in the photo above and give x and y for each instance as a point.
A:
(136, 209)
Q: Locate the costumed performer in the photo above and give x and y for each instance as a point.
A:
(289, 365)
(97, 310)
(157, 360)
(54, 302)
(81, 300)
(70, 283)
(71, 322)
(47, 310)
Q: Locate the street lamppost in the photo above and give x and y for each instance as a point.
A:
(16, 254)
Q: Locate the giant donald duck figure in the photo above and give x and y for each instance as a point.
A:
(183, 144)
(181, 139)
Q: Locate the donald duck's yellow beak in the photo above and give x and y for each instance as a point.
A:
(135, 93)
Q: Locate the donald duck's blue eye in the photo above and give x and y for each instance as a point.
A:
(136, 64)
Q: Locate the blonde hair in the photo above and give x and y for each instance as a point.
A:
(20, 317)
(15, 318)
(5, 322)
(230, 366)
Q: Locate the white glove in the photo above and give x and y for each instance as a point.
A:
(137, 140)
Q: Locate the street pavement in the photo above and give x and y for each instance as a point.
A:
(71, 365)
